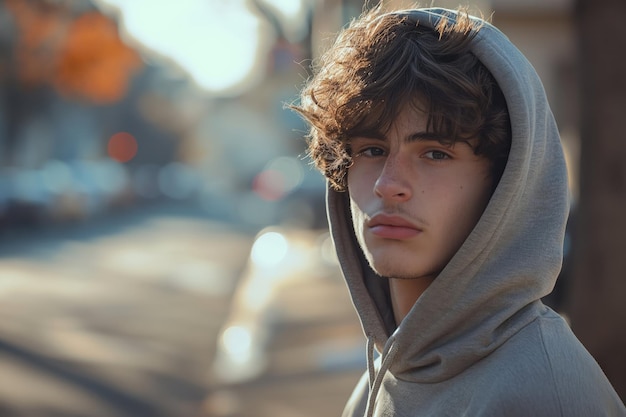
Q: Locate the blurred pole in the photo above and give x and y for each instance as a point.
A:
(596, 302)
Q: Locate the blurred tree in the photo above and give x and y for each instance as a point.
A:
(51, 51)
(93, 60)
(596, 301)
(80, 56)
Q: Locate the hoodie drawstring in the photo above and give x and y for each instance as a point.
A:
(370, 361)
(376, 379)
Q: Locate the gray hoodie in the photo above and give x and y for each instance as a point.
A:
(479, 342)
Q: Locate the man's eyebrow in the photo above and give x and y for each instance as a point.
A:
(423, 136)
(369, 136)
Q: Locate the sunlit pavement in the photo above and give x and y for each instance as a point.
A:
(315, 358)
(115, 318)
(120, 319)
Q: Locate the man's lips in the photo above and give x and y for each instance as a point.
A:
(392, 227)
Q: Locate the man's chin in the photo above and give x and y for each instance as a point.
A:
(388, 267)
(389, 263)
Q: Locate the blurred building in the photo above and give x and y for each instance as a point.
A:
(72, 130)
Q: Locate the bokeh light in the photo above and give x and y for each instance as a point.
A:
(177, 181)
(238, 341)
(280, 177)
(269, 249)
(269, 185)
(122, 147)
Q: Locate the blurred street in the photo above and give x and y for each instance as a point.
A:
(119, 317)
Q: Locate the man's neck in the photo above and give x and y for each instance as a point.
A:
(405, 292)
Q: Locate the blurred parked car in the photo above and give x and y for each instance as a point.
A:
(60, 191)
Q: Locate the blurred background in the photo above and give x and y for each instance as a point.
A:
(163, 242)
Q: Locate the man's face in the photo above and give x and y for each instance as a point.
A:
(414, 200)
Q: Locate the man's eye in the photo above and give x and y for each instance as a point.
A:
(372, 151)
(437, 155)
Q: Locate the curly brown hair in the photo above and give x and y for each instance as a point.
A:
(383, 61)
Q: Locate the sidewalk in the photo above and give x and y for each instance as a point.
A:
(119, 323)
(121, 320)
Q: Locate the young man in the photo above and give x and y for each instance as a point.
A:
(447, 203)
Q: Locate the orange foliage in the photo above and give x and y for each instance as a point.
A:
(82, 56)
(94, 61)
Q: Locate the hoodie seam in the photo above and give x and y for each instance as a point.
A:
(547, 355)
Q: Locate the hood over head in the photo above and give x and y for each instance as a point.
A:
(489, 289)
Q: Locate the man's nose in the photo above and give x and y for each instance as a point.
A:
(393, 182)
